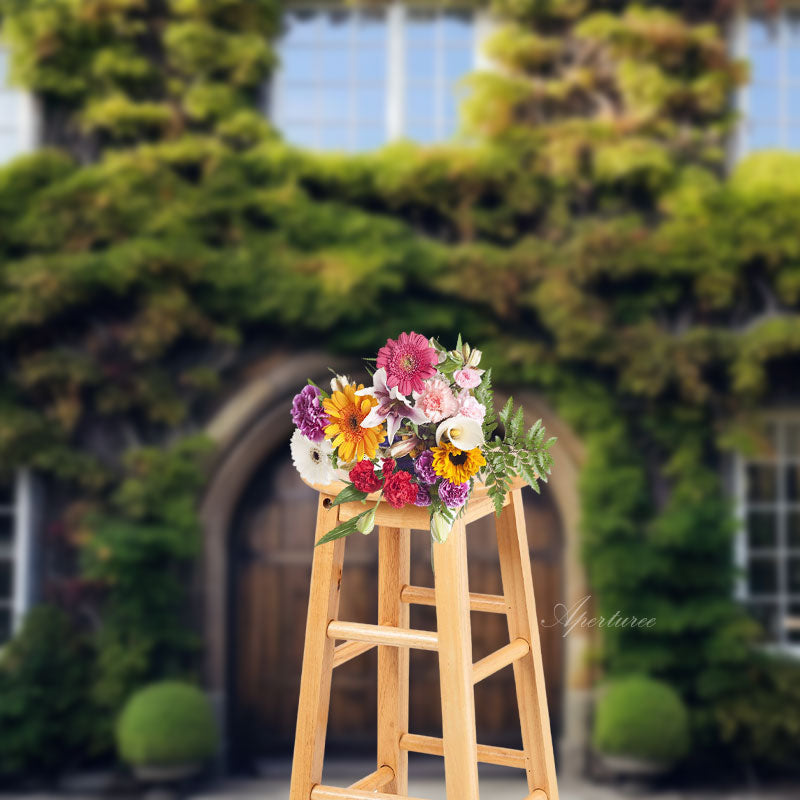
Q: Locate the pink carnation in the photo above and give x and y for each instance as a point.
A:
(408, 362)
(467, 378)
(436, 400)
(468, 406)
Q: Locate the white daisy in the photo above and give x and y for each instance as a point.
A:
(312, 459)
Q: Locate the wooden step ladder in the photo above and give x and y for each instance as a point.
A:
(393, 637)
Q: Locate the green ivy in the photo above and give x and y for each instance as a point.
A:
(582, 232)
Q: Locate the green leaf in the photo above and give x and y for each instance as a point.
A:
(344, 529)
(348, 495)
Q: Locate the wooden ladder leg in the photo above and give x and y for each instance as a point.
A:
(455, 665)
(394, 572)
(315, 681)
(515, 567)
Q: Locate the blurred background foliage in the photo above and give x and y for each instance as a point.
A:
(583, 233)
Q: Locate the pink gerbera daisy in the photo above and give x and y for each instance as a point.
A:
(408, 362)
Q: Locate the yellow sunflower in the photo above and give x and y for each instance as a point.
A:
(346, 412)
(456, 466)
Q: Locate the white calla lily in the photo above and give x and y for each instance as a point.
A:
(463, 432)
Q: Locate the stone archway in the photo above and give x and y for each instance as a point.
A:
(254, 422)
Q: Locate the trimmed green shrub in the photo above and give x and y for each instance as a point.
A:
(642, 718)
(166, 723)
(46, 716)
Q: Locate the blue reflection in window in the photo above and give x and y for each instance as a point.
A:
(333, 89)
(764, 136)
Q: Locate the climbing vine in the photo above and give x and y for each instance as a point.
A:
(584, 228)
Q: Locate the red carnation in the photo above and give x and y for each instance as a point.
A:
(388, 467)
(399, 490)
(364, 478)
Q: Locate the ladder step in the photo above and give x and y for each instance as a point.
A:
(320, 792)
(383, 634)
(348, 651)
(539, 794)
(375, 780)
(432, 746)
(422, 596)
(512, 652)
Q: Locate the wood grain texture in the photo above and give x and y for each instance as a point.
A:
(455, 665)
(332, 793)
(383, 635)
(515, 569)
(423, 596)
(537, 795)
(315, 680)
(487, 754)
(394, 572)
(494, 662)
(376, 781)
(348, 651)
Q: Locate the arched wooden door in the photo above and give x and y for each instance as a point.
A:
(271, 551)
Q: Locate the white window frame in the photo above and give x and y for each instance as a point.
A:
(739, 43)
(396, 13)
(742, 551)
(21, 550)
(27, 118)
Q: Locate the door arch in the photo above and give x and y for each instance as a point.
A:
(251, 428)
(271, 553)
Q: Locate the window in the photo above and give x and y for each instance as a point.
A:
(768, 546)
(15, 554)
(354, 79)
(770, 103)
(17, 117)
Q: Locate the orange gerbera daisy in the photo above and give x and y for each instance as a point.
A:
(346, 412)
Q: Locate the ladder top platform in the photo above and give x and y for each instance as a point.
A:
(480, 505)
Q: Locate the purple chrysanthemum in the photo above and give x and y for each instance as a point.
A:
(423, 498)
(454, 495)
(308, 414)
(423, 466)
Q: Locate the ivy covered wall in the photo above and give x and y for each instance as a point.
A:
(584, 232)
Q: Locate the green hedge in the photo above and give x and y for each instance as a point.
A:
(644, 719)
(164, 724)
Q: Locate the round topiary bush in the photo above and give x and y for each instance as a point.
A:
(644, 719)
(166, 723)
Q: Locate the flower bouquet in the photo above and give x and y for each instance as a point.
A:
(423, 433)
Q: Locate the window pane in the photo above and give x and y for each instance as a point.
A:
(9, 103)
(793, 574)
(5, 624)
(761, 482)
(369, 138)
(793, 29)
(793, 482)
(300, 27)
(371, 106)
(763, 575)
(422, 131)
(371, 65)
(767, 615)
(458, 62)
(420, 103)
(763, 31)
(5, 580)
(6, 493)
(791, 440)
(372, 28)
(762, 529)
(421, 27)
(336, 104)
(793, 631)
(793, 66)
(421, 64)
(335, 65)
(335, 137)
(765, 103)
(336, 27)
(457, 28)
(6, 530)
(765, 64)
(793, 529)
